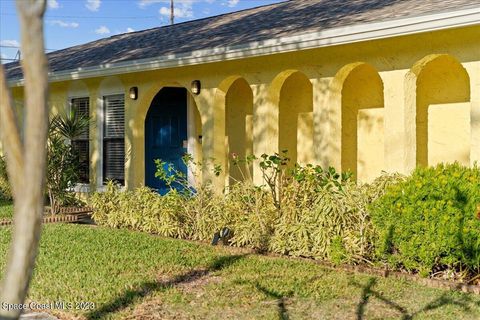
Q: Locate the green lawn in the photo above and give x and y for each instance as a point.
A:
(6, 209)
(133, 274)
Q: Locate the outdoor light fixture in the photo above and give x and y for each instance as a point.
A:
(133, 93)
(196, 86)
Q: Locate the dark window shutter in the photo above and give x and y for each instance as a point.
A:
(81, 143)
(114, 139)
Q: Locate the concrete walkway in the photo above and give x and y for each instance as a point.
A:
(30, 315)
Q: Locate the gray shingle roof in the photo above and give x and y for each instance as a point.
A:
(257, 24)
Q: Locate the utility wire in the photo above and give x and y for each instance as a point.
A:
(88, 17)
(18, 47)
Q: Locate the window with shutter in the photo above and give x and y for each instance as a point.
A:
(114, 138)
(81, 143)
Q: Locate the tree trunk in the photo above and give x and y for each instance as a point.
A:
(25, 160)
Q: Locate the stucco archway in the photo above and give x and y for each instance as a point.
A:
(292, 92)
(136, 115)
(357, 97)
(235, 94)
(438, 97)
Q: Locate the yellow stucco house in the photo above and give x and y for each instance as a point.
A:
(360, 85)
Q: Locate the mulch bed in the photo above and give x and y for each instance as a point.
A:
(66, 215)
(368, 270)
(429, 282)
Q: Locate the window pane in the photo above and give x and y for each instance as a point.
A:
(114, 160)
(81, 143)
(113, 140)
(114, 116)
(80, 147)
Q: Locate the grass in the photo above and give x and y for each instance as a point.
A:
(130, 274)
(6, 209)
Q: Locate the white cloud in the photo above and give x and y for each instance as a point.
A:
(144, 3)
(232, 3)
(128, 30)
(53, 4)
(183, 9)
(10, 43)
(3, 56)
(102, 30)
(63, 24)
(93, 5)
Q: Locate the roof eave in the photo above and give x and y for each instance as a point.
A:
(329, 37)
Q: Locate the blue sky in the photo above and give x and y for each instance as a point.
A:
(72, 22)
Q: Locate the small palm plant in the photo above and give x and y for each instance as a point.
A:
(62, 160)
(70, 125)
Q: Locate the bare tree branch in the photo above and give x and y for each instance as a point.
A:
(10, 135)
(30, 163)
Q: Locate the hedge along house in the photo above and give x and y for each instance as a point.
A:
(364, 85)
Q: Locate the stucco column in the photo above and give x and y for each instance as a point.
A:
(333, 109)
(265, 126)
(321, 122)
(94, 139)
(473, 69)
(131, 181)
(213, 137)
(398, 136)
(409, 122)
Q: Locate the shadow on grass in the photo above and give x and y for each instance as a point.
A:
(443, 300)
(130, 296)
(282, 310)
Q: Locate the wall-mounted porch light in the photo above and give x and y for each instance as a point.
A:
(196, 86)
(133, 94)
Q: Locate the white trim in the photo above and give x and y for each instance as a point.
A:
(100, 128)
(81, 188)
(329, 37)
(108, 86)
(191, 136)
(100, 121)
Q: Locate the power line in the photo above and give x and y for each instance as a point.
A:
(89, 17)
(18, 47)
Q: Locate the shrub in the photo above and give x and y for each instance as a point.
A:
(429, 221)
(250, 212)
(304, 211)
(326, 216)
(5, 191)
(62, 159)
(141, 209)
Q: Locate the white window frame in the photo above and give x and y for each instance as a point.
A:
(82, 187)
(100, 133)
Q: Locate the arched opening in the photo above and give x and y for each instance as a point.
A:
(172, 129)
(442, 111)
(239, 129)
(362, 110)
(295, 117)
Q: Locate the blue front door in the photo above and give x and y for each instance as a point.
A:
(165, 134)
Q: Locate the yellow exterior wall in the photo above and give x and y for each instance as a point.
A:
(325, 105)
(440, 79)
(238, 129)
(449, 143)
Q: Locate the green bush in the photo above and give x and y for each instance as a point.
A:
(327, 217)
(307, 211)
(141, 209)
(5, 191)
(251, 213)
(429, 221)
